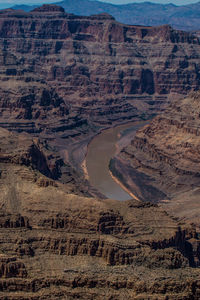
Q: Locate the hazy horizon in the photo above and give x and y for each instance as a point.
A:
(176, 2)
(10, 3)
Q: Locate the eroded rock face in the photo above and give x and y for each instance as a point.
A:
(84, 72)
(21, 150)
(63, 78)
(165, 158)
(10, 267)
(58, 244)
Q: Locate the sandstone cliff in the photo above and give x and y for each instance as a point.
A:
(21, 152)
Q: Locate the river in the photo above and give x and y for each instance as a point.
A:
(100, 150)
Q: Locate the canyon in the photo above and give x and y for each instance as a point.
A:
(88, 73)
(55, 243)
(162, 161)
(63, 80)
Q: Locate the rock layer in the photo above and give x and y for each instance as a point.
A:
(87, 71)
(64, 78)
(58, 244)
(165, 158)
(21, 150)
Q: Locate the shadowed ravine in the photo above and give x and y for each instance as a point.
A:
(101, 149)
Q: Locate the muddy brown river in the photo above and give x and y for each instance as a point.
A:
(100, 150)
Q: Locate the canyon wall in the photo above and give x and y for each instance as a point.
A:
(88, 72)
(56, 241)
(63, 78)
(162, 162)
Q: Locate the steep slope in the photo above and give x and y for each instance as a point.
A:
(163, 159)
(25, 152)
(65, 77)
(185, 17)
(54, 244)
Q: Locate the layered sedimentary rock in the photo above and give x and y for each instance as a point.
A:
(21, 150)
(87, 70)
(163, 160)
(58, 244)
(64, 78)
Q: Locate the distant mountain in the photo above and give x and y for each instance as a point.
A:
(24, 7)
(186, 17)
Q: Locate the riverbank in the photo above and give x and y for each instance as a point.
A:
(100, 150)
(123, 186)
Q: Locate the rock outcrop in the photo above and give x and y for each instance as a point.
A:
(21, 152)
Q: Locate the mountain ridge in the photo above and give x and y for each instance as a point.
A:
(185, 17)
